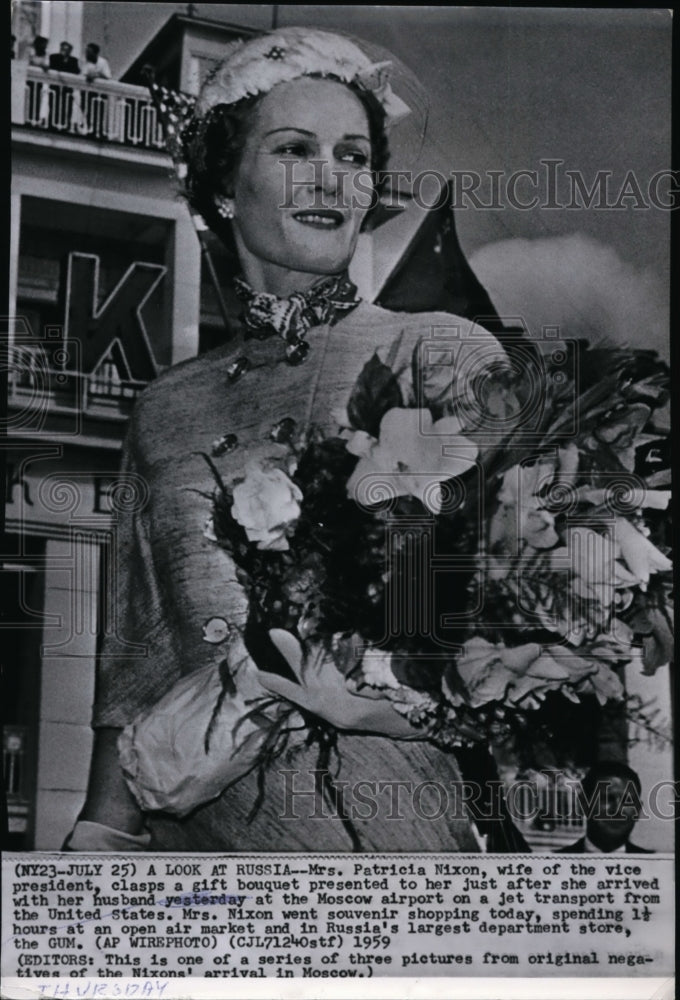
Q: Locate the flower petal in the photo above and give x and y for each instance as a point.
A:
(641, 557)
(376, 669)
(361, 444)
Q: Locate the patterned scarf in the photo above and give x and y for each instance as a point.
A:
(291, 318)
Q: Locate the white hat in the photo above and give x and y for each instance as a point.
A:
(256, 66)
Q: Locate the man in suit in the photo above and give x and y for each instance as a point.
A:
(62, 97)
(611, 803)
(63, 61)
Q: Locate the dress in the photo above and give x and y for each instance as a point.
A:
(38, 111)
(171, 580)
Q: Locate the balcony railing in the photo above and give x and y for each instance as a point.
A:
(66, 104)
(37, 383)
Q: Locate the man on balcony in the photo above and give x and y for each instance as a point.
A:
(62, 97)
(95, 68)
(63, 61)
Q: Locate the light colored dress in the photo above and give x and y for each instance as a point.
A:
(171, 580)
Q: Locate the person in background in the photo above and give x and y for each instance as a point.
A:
(611, 802)
(12, 53)
(63, 61)
(61, 97)
(96, 105)
(38, 95)
(96, 66)
(38, 56)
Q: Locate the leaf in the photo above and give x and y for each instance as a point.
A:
(432, 384)
(227, 679)
(262, 650)
(658, 648)
(216, 473)
(393, 352)
(228, 688)
(376, 391)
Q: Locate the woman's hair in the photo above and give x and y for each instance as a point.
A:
(214, 146)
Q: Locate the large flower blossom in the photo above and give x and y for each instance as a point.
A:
(592, 559)
(411, 456)
(519, 674)
(264, 504)
(521, 516)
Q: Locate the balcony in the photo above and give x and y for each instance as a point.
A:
(39, 386)
(104, 111)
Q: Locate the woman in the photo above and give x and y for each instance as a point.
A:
(38, 94)
(38, 57)
(289, 133)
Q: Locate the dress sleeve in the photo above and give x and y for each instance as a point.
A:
(136, 662)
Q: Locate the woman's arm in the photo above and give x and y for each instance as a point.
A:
(128, 675)
(110, 819)
(109, 800)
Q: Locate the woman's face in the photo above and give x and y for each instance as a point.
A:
(303, 185)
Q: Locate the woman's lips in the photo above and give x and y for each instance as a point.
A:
(320, 218)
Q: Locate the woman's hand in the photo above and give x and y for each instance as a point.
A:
(324, 691)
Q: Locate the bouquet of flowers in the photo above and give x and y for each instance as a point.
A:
(473, 572)
(465, 584)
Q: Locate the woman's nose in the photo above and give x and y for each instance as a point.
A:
(328, 176)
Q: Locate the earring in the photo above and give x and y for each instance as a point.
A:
(225, 206)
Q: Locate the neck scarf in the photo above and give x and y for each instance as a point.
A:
(266, 314)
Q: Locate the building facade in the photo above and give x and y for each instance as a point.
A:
(105, 292)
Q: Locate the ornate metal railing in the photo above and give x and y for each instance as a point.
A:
(105, 110)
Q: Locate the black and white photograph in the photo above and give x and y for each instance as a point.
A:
(338, 495)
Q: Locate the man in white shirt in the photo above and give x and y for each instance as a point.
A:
(96, 67)
(96, 105)
(611, 803)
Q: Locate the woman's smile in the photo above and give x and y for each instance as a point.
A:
(324, 219)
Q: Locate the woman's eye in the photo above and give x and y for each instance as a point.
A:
(292, 149)
(356, 156)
